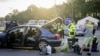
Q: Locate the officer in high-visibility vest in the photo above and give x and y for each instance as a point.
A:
(60, 29)
(55, 27)
(71, 34)
(71, 29)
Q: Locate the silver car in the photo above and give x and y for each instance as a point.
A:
(79, 30)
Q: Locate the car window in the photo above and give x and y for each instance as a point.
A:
(18, 29)
(31, 31)
(46, 32)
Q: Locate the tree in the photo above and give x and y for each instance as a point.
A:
(79, 9)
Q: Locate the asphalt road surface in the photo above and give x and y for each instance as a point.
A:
(21, 52)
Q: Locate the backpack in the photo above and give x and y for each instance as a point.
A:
(94, 42)
(53, 50)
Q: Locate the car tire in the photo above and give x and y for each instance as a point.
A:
(42, 43)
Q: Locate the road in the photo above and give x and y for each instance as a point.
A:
(20, 52)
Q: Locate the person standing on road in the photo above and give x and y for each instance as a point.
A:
(7, 25)
(55, 27)
(88, 29)
(89, 37)
(12, 24)
(60, 30)
(15, 23)
(72, 29)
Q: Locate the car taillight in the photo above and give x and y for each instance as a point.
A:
(57, 36)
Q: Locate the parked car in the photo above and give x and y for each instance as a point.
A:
(79, 30)
(42, 22)
(32, 22)
(38, 23)
(30, 36)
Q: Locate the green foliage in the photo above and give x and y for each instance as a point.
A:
(75, 8)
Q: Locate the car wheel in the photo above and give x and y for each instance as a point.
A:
(42, 43)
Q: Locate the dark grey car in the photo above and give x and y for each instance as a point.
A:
(30, 36)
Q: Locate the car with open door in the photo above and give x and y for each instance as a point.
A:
(30, 36)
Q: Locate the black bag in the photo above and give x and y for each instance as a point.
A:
(53, 50)
(94, 45)
(76, 49)
(95, 42)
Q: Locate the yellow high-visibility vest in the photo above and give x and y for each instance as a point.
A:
(54, 26)
(60, 28)
(72, 27)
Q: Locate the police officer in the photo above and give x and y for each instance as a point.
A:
(60, 30)
(55, 27)
(71, 34)
(71, 29)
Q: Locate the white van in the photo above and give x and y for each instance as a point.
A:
(42, 22)
(32, 22)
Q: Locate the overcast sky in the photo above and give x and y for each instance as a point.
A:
(6, 6)
(3, 0)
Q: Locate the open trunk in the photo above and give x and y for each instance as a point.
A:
(50, 23)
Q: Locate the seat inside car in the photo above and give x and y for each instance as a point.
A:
(31, 32)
